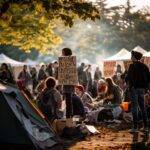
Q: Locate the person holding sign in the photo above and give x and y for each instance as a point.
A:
(67, 76)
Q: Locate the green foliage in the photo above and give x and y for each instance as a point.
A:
(119, 27)
(29, 24)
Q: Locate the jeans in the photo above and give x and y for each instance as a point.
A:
(137, 101)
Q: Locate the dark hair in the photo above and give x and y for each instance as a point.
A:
(66, 51)
(25, 66)
(50, 82)
(136, 55)
(110, 83)
(82, 64)
(6, 66)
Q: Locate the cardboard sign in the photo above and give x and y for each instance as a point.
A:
(109, 68)
(147, 60)
(127, 64)
(67, 71)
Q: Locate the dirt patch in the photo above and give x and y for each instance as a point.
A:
(111, 139)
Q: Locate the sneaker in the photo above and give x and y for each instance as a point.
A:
(133, 130)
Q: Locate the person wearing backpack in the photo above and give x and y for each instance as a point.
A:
(138, 79)
(49, 101)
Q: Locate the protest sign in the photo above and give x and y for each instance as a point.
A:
(67, 71)
(109, 68)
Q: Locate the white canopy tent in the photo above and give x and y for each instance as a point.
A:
(111, 62)
(147, 54)
(117, 56)
(128, 55)
(140, 49)
(7, 60)
(16, 65)
(147, 59)
(30, 62)
(123, 57)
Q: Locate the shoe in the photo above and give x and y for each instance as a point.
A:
(133, 130)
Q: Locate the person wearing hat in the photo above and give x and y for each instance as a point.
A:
(85, 97)
(138, 79)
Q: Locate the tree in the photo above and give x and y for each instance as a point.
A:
(29, 24)
(119, 27)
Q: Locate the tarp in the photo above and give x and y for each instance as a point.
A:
(117, 56)
(7, 60)
(21, 122)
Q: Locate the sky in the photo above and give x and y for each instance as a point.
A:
(138, 3)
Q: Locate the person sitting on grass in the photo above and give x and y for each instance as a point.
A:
(85, 97)
(50, 100)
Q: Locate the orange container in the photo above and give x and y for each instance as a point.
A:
(125, 106)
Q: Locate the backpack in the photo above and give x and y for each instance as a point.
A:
(48, 105)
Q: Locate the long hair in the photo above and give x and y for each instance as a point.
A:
(6, 66)
(110, 83)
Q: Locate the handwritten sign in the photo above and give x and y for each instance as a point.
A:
(147, 60)
(67, 71)
(127, 64)
(109, 68)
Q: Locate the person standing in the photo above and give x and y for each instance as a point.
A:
(97, 77)
(138, 79)
(42, 75)
(55, 71)
(5, 74)
(49, 69)
(97, 74)
(33, 73)
(24, 76)
(68, 90)
(89, 78)
(118, 70)
(80, 73)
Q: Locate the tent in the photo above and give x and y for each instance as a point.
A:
(7, 60)
(111, 62)
(139, 49)
(16, 65)
(30, 62)
(117, 56)
(123, 57)
(147, 59)
(147, 54)
(21, 123)
(127, 56)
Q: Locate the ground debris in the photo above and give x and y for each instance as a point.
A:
(109, 139)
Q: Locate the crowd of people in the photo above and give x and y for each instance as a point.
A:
(90, 93)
